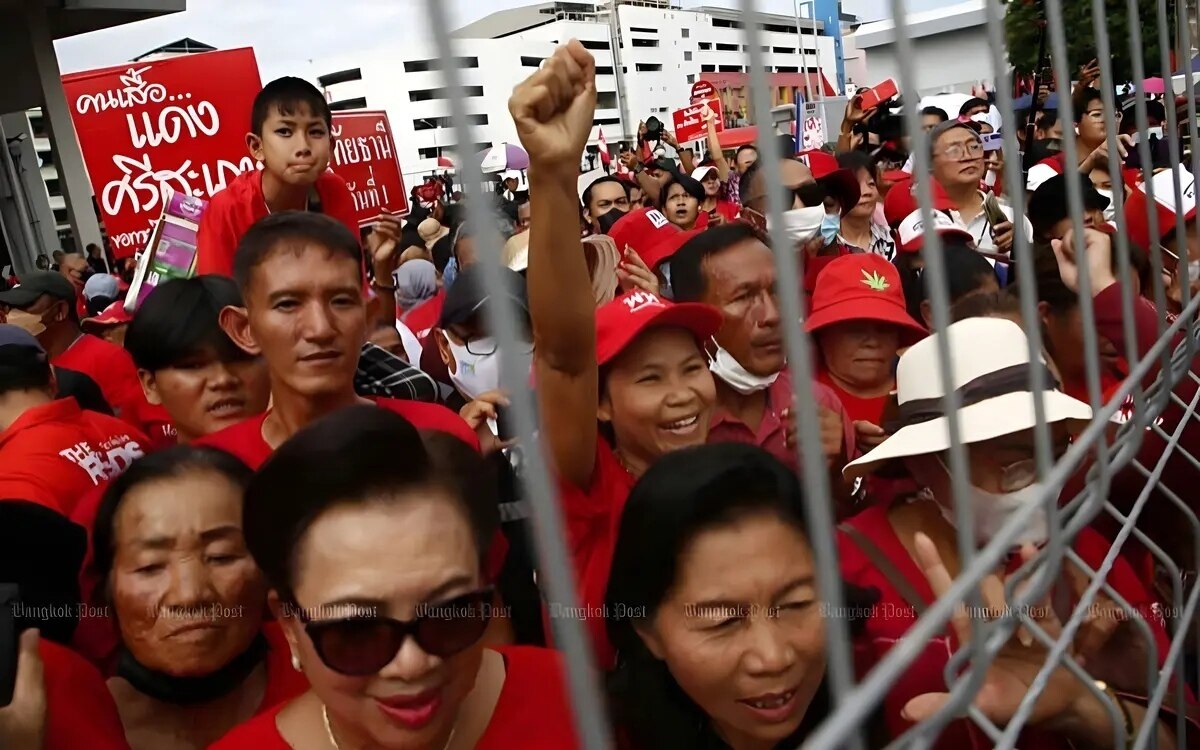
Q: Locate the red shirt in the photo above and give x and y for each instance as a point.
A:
(728, 211)
(859, 408)
(725, 428)
(80, 711)
(233, 210)
(54, 454)
(593, 517)
(245, 439)
(532, 713)
(113, 370)
(892, 616)
(156, 422)
(422, 318)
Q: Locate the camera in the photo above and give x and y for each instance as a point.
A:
(654, 129)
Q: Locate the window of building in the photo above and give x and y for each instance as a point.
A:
(704, 45)
(531, 62)
(39, 127)
(342, 76)
(725, 23)
(708, 68)
(359, 102)
(53, 188)
(588, 44)
(643, 30)
(60, 216)
(691, 77)
(607, 121)
(421, 66)
(424, 95)
(784, 50)
(687, 55)
(429, 123)
(606, 100)
(786, 69)
(648, 67)
(685, 33)
(604, 70)
(727, 47)
(645, 42)
(428, 153)
(729, 68)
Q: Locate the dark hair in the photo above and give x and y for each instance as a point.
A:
(1081, 100)
(442, 252)
(23, 368)
(587, 192)
(98, 304)
(684, 494)
(287, 95)
(296, 229)
(688, 282)
(690, 186)
(743, 148)
(937, 112)
(1056, 294)
(972, 103)
(357, 455)
(1047, 119)
(965, 271)
(856, 160)
(170, 463)
(179, 321)
(480, 482)
(985, 305)
(41, 551)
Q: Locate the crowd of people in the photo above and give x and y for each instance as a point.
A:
(280, 504)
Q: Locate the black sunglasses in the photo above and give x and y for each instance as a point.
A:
(362, 645)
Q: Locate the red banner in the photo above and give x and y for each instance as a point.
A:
(364, 155)
(143, 127)
(689, 121)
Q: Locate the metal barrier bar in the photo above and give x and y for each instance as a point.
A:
(549, 529)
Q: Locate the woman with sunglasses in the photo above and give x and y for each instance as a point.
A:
(374, 560)
(195, 658)
(746, 673)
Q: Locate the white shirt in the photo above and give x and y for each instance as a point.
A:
(980, 228)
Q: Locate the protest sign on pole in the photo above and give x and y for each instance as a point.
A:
(149, 128)
(364, 155)
(702, 90)
(689, 121)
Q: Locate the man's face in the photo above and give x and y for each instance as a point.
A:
(1054, 132)
(308, 317)
(793, 173)
(711, 183)
(744, 159)
(523, 214)
(75, 268)
(978, 109)
(1091, 218)
(1091, 125)
(929, 122)
(740, 281)
(42, 317)
(958, 158)
(294, 147)
(510, 184)
(605, 197)
(465, 252)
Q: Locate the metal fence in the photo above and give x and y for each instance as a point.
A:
(855, 701)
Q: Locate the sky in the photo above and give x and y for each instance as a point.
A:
(298, 40)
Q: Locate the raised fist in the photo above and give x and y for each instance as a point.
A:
(554, 107)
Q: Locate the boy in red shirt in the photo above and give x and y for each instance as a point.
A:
(52, 451)
(289, 136)
(306, 315)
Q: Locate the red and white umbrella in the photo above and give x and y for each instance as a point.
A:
(445, 163)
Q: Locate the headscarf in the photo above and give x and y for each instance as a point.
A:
(416, 281)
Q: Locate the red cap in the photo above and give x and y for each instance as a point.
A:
(899, 203)
(910, 235)
(619, 322)
(862, 286)
(663, 251)
(642, 230)
(896, 176)
(1137, 207)
(842, 184)
(113, 315)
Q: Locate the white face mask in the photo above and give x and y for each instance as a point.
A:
(801, 224)
(474, 374)
(728, 369)
(1110, 212)
(990, 511)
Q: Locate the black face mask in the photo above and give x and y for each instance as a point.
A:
(606, 220)
(186, 691)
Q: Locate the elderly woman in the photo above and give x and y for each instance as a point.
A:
(416, 281)
(728, 675)
(908, 550)
(375, 563)
(196, 658)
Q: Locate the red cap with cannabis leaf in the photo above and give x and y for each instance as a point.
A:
(862, 286)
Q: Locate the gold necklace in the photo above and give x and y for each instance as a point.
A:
(333, 740)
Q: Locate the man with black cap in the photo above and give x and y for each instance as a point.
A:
(52, 451)
(44, 304)
(1048, 211)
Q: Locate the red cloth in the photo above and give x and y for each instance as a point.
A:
(869, 409)
(593, 515)
(422, 318)
(727, 209)
(892, 617)
(725, 428)
(532, 713)
(80, 711)
(233, 210)
(283, 681)
(54, 454)
(113, 370)
(245, 439)
(156, 423)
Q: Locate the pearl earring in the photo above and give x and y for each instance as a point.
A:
(296, 663)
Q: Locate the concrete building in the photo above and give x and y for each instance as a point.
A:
(28, 28)
(953, 45)
(648, 54)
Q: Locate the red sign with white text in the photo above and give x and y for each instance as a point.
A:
(365, 157)
(703, 90)
(179, 123)
(689, 121)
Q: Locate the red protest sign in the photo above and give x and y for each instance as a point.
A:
(703, 90)
(689, 121)
(178, 123)
(365, 157)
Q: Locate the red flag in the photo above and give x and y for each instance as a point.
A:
(604, 155)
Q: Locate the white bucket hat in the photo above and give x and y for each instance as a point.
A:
(990, 362)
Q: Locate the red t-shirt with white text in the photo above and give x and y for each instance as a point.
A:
(113, 370)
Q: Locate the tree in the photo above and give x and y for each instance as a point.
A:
(1023, 27)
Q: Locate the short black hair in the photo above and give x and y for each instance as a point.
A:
(856, 160)
(178, 321)
(1048, 204)
(1047, 119)
(443, 251)
(986, 305)
(692, 187)
(287, 95)
(1081, 100)
(744, 147)
(688, 282)
(169, 463)
(356, 455)
(297, 229)
(937, 112)
(587, 192)
(972, 103)
(23, 368)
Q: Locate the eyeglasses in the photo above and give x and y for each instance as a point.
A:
(960, 151)
(483, 346)
(357, 646)
(810, 194)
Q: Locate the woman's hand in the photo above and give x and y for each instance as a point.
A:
(553, 109)
(632, 273)
(1098, 247)
(480, 414)
(23, 721)
(1002, 237)
(868, 435)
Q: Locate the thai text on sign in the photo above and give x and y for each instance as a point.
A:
(364, 155)
(689, 121)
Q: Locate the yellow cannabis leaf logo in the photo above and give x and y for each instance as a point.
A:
(875, 281)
